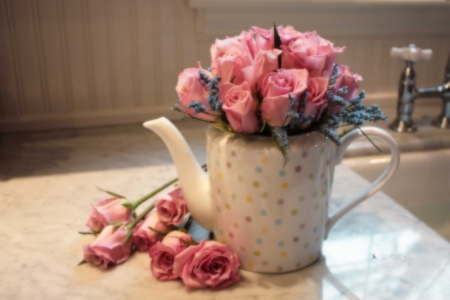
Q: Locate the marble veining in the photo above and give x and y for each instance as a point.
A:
(48, 180)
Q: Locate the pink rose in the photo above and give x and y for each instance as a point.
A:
(346, 78)
(107, 211)
(229, 57)
(315, 104)
(264, 63)
(189, 88)
(265, 37)
(171, 208)
(208, 264)
(312, 52)
(277, 86)
(163, 254)
(239, 107)
(107, 248)
(143, 237)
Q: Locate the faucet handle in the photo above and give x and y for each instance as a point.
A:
(412, 53)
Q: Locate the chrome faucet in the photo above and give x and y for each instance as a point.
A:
(408, 93)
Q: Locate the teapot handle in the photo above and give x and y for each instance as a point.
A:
(374, 186)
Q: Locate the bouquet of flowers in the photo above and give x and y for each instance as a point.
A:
(276, 82)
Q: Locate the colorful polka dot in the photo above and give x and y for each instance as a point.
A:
(298, 169)
(280, 244)
(219, 175)
(256, 184)
(295, 240)
(227, 206)
(311, 176)
(228, 164)
(280, 201)
(278, 221)
(282, 173)
(322, 150)
(235, 225)
(264, 195)
(279, 269)
(250, 266)
(265, 262)
(302, 226)
(233, 196)
(265, 160)
(248, 218)
(315, 229)
(257, 253)
(306, 245)
(264, 230)
(298, 265)
(294, 212)
(233, 153)
(263, 212)
(310, 258)
(258, 170)
(324, 193)
(283, 253)
(285, 185)
(305, 154)
(242, 248)
(301, 199)
(259, 241)
(231, 235)
(249, 199)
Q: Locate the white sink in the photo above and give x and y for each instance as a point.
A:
(421, 184)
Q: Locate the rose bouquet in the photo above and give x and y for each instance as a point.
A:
(173, 252)
(276, 82)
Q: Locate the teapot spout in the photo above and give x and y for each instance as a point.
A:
(193, 179)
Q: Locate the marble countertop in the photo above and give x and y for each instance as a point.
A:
(47, 183)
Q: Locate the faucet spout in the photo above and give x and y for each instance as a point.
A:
(193, 179)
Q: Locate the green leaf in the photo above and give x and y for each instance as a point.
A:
(128, 204)
(128, 236)
(281, 148)
(159, 232)
(115, 224)
(112, 193)
(219, 123)
(277, 43)
(263, 126)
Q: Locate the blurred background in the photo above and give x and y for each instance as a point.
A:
(78, 63)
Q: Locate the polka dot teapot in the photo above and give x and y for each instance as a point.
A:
(273, 213)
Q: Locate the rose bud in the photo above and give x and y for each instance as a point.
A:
(265, 38)
(144, 237)
(107, 249)
(229, 56)
(277, 86)
(315, 103)
(312, 52)
(171, 208)
(239, 107)
(163, 254)
(190, 88)
(208, 264)
(108, 211)
(345, 78)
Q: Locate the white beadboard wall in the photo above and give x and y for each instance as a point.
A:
(74, 63)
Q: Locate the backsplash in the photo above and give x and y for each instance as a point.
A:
(90, 62)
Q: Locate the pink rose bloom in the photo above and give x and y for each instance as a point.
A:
(264, 63)
(107, 211)
(189, 88)
(239, 107)
(312, 52)
(107, 248)
(143, 237)
(208, 264)
(265, 38)
(229, 57)
(171, 208)
(277, 86)
(315, 104)
(163, 254)
(346, 78)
